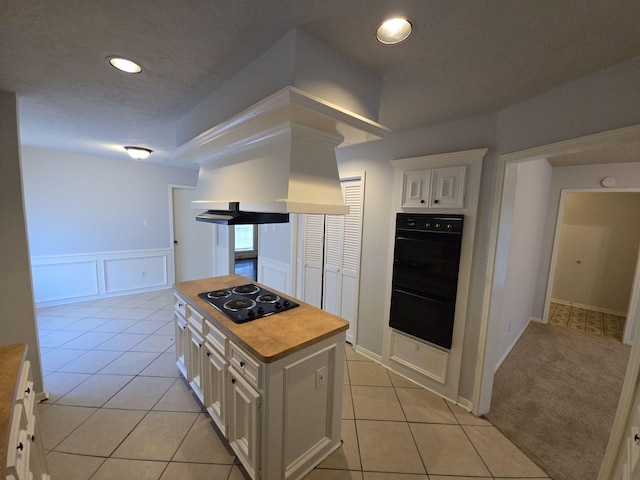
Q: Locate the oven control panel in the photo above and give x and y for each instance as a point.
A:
(425, 222)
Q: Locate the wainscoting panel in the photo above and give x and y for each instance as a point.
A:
(124, 274)
(70, 278)
(275, 274)
(64, 279)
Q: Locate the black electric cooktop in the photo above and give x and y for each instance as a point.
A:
(247, 302)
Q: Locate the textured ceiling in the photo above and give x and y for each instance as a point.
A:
(466, 57)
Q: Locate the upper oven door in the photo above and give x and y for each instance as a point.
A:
(427, 262)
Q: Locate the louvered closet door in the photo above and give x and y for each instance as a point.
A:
(342, 257)
(313, 251)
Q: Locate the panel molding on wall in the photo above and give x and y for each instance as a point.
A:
(59, 279)
(275, 274)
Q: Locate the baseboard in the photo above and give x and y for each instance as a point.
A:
(589, 307)
(513, 344)
(368, 353)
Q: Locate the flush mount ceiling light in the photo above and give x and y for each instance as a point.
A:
(124, 65)
(138, 153)
(394, 31)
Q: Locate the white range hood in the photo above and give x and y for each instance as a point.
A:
(277, 156)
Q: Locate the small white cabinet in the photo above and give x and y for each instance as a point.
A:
(416, 189)
(181, 333)
(447, 187)
(434, 188)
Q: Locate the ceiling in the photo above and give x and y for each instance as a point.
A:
(466, 57)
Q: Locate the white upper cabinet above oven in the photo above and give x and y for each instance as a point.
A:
(434, 188)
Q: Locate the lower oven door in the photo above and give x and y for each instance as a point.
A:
(428, 318)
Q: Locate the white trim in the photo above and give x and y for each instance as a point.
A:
(513, 344)
(426, 160)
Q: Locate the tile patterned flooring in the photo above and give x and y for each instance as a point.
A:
(119, 410)
(591, 321)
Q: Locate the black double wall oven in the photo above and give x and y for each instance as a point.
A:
(425, 276)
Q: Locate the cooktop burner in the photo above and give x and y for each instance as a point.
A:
(247, 302)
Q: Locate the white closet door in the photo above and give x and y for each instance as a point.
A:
(332, 287)
(313, 250)
(351, 247)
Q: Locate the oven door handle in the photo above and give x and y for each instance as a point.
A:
(422, 297)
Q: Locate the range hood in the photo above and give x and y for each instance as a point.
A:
(234, 216)
(276, 157)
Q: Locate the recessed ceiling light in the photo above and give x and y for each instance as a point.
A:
(394, 31)
(124, 65)
(139, 153)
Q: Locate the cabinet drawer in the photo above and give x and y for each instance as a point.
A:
(25, 394)
(180, 304)
(194, 318)
(248, 367)
(18, 445)
(215, 337)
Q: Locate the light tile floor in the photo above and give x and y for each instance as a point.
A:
(119, 410)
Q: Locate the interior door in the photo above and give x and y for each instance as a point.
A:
(312, 256)
(192, 240)
(342, 256)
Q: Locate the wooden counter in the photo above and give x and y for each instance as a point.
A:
(11, 360)
(270, 338)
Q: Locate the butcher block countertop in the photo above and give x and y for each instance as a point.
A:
(11, 359)
(269, 338)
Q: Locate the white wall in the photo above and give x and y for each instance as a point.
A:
(17, 320)
(80, 204)
(598, 246)
(530, 193)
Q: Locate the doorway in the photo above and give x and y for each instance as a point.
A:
(191, 241)
(592, 267)
(246, 251)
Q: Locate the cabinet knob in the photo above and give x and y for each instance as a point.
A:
(436, 201)
(233, 380)
(20, 446)
(33, 438)
(208, 354)
(421, 201)
(241, 364)
(27, 391)
(636, 439)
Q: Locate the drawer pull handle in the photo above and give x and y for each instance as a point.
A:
(241, 364)
(20, 446)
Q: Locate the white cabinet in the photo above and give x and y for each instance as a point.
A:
(416, 189)
(25, 452)
(279, 418)
(447, 187)
(181, 333)
(244, 422)
(434, 188)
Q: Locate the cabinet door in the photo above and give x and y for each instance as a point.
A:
(194, 362)
(447, 187)
(181, 336)
(244, 422)
(215, 387)
(416, 188)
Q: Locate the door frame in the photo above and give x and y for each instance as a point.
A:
(635, 292)
(484, 375)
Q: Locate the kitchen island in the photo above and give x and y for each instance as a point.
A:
(272, 385)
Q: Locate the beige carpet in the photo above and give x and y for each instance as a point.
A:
(555, 396)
